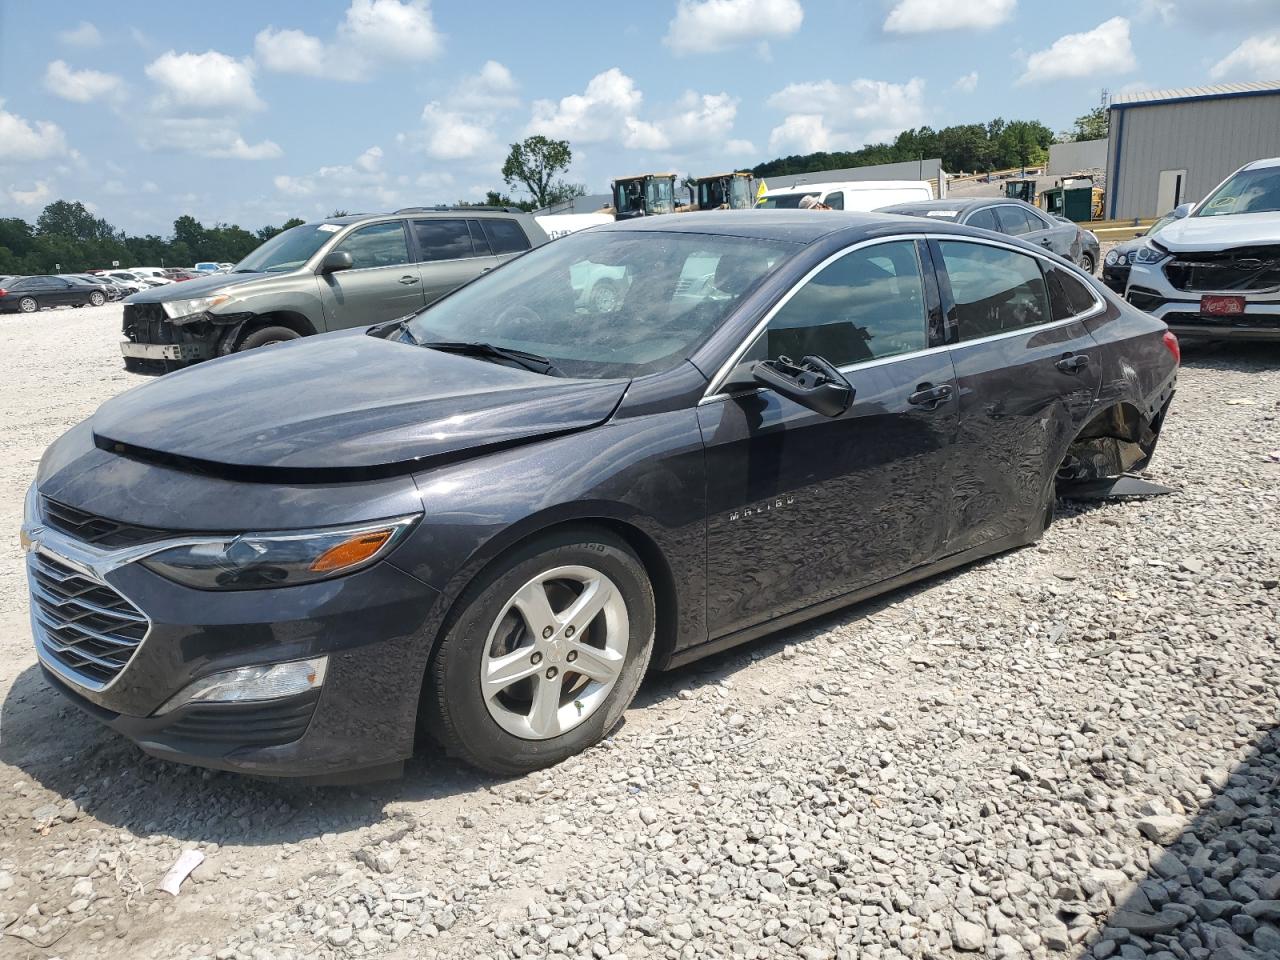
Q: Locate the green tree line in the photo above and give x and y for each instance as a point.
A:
(68, 238)
(968, 147)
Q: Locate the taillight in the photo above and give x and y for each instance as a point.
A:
(3, 291)
(1171, 342)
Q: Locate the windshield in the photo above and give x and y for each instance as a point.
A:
(605, 304)
(1249, 191)
(289, 250)
(784, 201)
(1160, 224)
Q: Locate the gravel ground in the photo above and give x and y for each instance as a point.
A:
(1067, 750)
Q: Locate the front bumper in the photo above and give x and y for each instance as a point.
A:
(166, 351)
(372, 625)
(1115, 277)
(1150, 291)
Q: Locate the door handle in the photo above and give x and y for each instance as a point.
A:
(928, 396)
(408, 279)
(1072, 362)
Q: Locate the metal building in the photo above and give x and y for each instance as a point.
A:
(1168, 147)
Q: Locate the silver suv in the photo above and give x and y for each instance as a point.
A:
(327, 275)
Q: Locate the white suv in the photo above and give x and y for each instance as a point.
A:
(1215, 271)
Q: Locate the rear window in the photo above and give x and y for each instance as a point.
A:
(505, 236)
(1015, 221)
(984, 219)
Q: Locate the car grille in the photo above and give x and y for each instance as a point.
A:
(1244, 268)
(147, 323)
(91, 528)
(82, 622)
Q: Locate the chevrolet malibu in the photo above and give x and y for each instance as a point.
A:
(486, 521)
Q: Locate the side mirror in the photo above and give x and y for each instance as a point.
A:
(334, 261)
(813, 383)
(1182, 209)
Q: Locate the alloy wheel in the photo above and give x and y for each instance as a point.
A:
(28, 305)
(554, 652)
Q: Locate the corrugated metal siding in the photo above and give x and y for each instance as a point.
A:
(1207, 138)
(1183, 93)
(906, 170)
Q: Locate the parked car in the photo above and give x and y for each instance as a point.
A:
(847, 195)
(126, 280)
(1016, 218)
(1115, 266)
(322, 276)
(112, 291)
(30, 294)
(1214, 272)
(156, 276)
(489, 519)
(206, 266)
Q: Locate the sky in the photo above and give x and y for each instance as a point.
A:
(251, 112)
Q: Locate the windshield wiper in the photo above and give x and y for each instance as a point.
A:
(489, 351)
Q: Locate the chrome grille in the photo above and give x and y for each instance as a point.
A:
(82, 622)
(91, 528)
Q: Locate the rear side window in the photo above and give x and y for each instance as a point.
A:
(1015, 221)
(443, 239)
(867, 305)
(377, 245)
(835, 200)
(984, 219)
(995, 290)
(1068, 294)
(505, 236)
(479, 242)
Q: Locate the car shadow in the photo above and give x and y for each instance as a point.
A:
(1211, 886)
(1244, 356)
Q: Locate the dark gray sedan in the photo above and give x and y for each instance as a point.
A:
(1013, 217)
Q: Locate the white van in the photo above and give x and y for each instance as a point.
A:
(861, 195)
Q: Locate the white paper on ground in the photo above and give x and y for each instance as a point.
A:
(180, 870)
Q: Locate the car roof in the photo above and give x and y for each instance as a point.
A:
(1263, 163)
(794, 226)
(959, 204)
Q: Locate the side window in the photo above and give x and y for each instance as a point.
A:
(835, 200)
(984, 219)
(442, 239)
(505, 236)
(1068, 294)
(995, 290)
(1014, 221)
(867, 305)
(377, 245)
(479, 242)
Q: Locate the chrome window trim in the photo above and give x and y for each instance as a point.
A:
(713, 394)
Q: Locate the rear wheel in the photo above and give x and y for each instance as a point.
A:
(28, 305)
(547, 653)
(266, 337)
(1087, 263)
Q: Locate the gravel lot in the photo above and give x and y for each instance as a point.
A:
(1066, 750)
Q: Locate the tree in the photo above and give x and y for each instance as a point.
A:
(534, 163)
(1094, 125)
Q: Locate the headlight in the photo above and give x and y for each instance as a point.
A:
(1149, 253)
(1112, 258)
(178, 310)
(253, 561)
(266, 682)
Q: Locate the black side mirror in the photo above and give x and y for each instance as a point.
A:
(334, 261)
(813, 383)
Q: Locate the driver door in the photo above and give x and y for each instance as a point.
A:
(804, 507)
(382, 284)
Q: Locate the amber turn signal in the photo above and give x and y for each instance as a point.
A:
(349, 552)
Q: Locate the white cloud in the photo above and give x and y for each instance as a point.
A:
(598, 114)
(831, 116)
(966, 84)
(700, 119)
(739, 148)
(362, 182)
(204, 83)
(84, 34)
(1104, 49)
(373, 33)
(1257, 58)
(80, 86)
(22, 140)
(641, 135)
(454, 136)
(493, 88)
(706, 26)
(927, 16)
(40, 192)
(215, 137)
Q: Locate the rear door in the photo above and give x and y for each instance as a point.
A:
(803, 507)
(1028, 372)
(382, 283)
(451, 251)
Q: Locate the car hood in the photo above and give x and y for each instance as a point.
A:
(343, 406)
(1220, 232)
(199, 287)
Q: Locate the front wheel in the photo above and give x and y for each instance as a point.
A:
(97, 299)
(28, 305)
(266, 337)
(547, 653)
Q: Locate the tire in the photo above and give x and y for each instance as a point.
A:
(266, 337)
(1087, 263)
(503, 731)
(28, 305)
(97, 299)
(605, 297)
